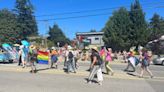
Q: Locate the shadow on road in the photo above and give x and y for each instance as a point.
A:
(132, 74)
(93, 81)
(5, 62)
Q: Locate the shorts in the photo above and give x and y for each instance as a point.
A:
(24, 58)
(54, 58)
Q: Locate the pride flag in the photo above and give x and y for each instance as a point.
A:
(42, 57)
(102, 54)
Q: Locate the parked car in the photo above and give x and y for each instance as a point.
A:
(159, 60)
(5, 57)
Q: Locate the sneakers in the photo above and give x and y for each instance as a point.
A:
(88, 82)
(100, 83)
(125, 70)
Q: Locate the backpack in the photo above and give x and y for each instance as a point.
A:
(137, 61)
(100, 62)
(70, 55)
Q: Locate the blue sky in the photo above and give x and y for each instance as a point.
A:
(84, 24)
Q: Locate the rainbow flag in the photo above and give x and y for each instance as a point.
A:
(102, 54)
(42, 57)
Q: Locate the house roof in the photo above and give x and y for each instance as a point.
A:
(89, 33)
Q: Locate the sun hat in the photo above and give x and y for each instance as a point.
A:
(95, 48)
(32, 47)
(69, 48)
(53, 48)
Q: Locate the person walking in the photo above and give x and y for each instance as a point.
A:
(131, 62)
(103, 55)
(24, 55)
(33, 58)
(108, 60)
(76, 57)
(70, 61)
(95, 67)
(54, 57)
(146, 58)
(64, 55)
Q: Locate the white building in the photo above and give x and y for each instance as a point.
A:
(94, 38)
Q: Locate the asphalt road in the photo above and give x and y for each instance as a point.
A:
(16, 79)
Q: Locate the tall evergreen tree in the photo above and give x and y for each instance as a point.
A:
(156, 27)
(56, 35)
(9, 30)
(116, 31)
(26, 19)
(138, 33)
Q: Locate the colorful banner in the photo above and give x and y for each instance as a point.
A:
(42, 57)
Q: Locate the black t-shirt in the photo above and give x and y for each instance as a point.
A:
(98, 62)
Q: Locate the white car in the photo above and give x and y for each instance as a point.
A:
(159, 60)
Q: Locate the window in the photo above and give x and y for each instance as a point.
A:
(96, 38)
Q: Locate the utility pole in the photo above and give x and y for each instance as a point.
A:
(46, 34)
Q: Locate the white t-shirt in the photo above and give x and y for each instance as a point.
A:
(132, 60)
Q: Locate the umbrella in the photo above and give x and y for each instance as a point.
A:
(5, 45)
(25, 43)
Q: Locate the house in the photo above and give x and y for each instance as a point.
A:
(92, 38)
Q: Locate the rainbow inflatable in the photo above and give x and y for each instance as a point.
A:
(42, 57)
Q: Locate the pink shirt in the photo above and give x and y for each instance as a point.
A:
(108, 57)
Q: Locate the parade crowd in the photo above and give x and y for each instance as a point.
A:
(99, 59)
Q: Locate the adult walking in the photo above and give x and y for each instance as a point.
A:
(103, 55)
(70, 60)
(146, 58)
(76, 57)
(131, 62)
(54, 57)
(108, 61)
(95, 67)
(33, 58)
(24, 55)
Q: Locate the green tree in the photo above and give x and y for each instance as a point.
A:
(139, 30)
(56, 35)
(9, 31)
(26, 19)
(116, 31)
(156, 26)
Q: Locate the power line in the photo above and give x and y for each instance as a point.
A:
(89, 15)
(82, 16)
(92, 10)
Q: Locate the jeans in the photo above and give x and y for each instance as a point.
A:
(93, 72)
(71, 65)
